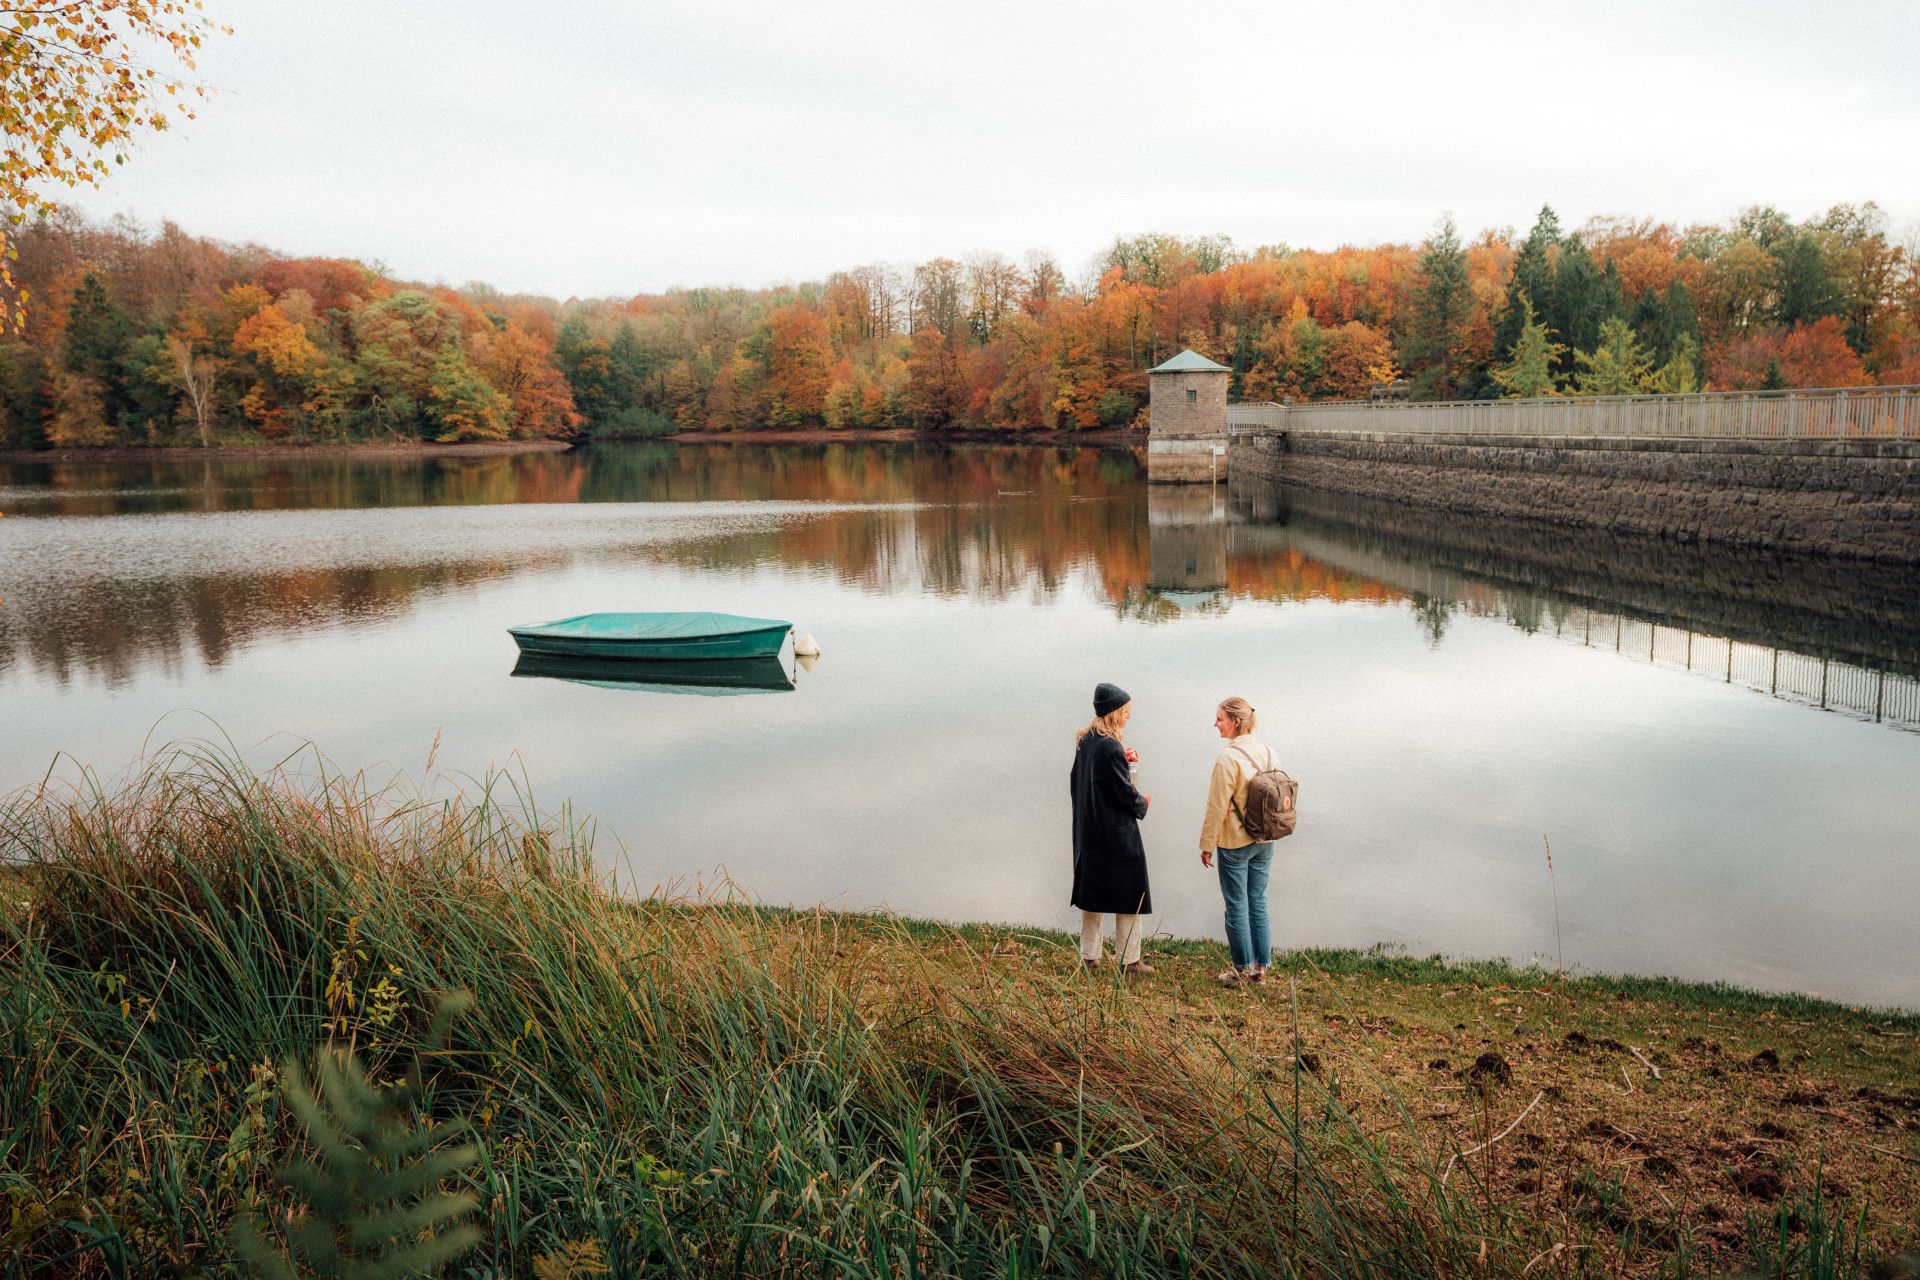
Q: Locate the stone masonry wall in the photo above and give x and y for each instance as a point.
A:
(1169, 414)
(1185, 461)
(1842, 497)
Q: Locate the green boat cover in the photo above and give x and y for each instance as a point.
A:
(651, 626)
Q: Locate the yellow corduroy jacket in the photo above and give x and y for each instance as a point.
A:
(1232, 772)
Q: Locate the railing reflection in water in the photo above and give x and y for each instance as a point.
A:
(1827, 683)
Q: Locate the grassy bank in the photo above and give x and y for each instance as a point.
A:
(694, 1090)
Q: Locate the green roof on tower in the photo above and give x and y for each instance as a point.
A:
(1190, 361)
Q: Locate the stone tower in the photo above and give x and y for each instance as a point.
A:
(1187, 420)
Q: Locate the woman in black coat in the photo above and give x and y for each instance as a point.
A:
(1109, 860)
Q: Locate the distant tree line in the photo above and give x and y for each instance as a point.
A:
(139, 337)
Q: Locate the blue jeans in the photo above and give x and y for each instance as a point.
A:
(1243, 883)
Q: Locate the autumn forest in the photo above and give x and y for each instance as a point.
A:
(139, 337)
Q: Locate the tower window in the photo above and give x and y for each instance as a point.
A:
(1193, 397)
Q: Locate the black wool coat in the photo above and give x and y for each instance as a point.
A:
(1109, 860)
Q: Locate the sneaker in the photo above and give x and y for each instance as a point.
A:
(1139, 966)
(1256, 975)
(1228, 977)
(1091, 966)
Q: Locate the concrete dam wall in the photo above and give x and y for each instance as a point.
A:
(1851, 497)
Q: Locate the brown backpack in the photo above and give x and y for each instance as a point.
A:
(1270, 812)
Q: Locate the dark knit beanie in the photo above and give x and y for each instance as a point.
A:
(1109, 698)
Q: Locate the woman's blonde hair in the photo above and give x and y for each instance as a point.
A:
(1240, 711)
(1107, 726)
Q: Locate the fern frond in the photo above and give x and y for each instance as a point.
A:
(373, 1207)
(423, 1174)
(428, 1256)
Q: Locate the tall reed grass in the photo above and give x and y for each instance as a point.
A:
(697, 1090)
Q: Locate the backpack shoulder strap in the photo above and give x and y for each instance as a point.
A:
(1257, 766)
(1233, 797)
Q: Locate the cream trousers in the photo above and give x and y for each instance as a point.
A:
(1126, 936)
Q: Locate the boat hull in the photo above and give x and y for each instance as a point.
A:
(748, 644)
(655, 637)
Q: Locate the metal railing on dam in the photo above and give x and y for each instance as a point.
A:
(1841, 413)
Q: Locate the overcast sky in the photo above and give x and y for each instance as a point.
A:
(631, 147)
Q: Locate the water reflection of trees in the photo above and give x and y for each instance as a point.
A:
(976, 522)
(650, 472)
(93, 487)
(983, 522)
(957, 521)
(112, 630)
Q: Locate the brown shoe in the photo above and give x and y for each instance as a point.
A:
(1091, 966)
(1139, 966)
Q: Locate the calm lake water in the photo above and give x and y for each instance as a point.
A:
(1724, 749)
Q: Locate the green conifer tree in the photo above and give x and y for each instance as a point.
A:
(1530, 372)
(97, 332)
(1680, 375)
(1242, 361)
(1806, 291)
(1441, 310)
(96, 345)
(1617, 366)
(1663, 318)
(1584, 296)
(1532, 280)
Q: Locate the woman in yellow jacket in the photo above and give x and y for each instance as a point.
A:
(1243, 861)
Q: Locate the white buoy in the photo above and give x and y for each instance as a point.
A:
(804, 645)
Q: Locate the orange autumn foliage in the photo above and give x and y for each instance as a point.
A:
(280, 346)
(334, 284)
(1809, 355)
(802, 354)
(1648, 255)
(520, 366)
(1817, 355)
(328, 349)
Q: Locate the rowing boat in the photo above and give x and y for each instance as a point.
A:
(656, 636)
